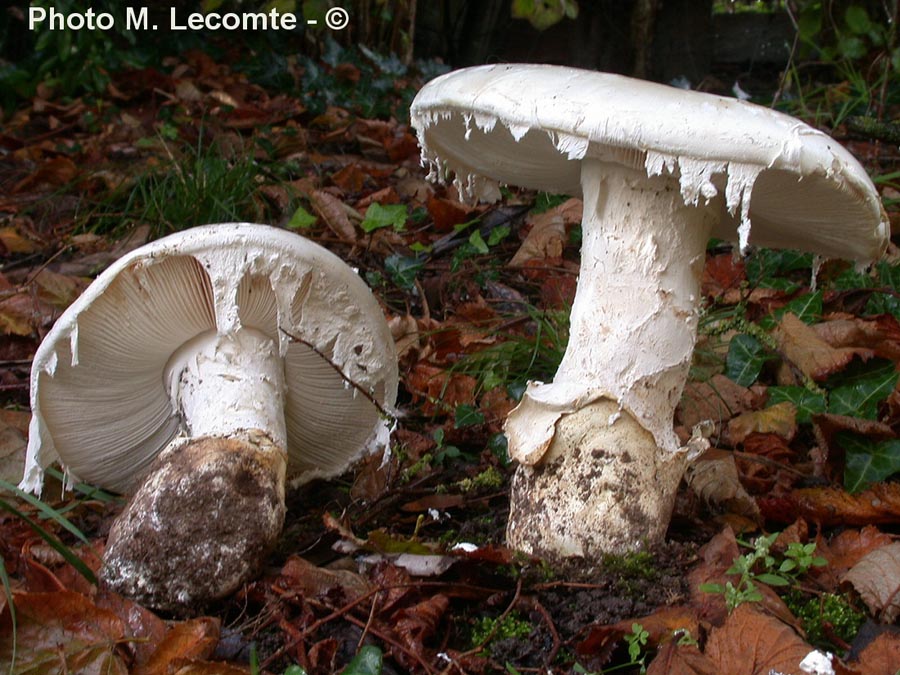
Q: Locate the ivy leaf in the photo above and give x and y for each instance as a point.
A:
(368, 661)
(808, 403)
(806, 307)
(478, 242)
(467, 416)
(868, 461)
(403, 269)
(862, 391)
(857, 19)
(378, 216)
(765, 264)
(301, 219)
(746, 357)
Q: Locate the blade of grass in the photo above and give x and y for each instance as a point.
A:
(55, 543)
(7, 589)
(45, 509)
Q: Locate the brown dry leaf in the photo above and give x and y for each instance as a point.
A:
(350, 179)
(416, 624)
(847, 548)
(443, 391)
(714, 478)
(877, 580)
(194, 639)
(447, 213)
(881, 655)
(834, 506)
(334, 213)
(311, 581)
(12, 241)
(675, 659)
(780, 419)
(546, 239)
(54, 172)
(722, 273)
(45, 621)
(207, 668)
(12, 453)
(718, 400)
(716, 556)
(881, 334)
(144, 629)
(753, 643)
(815, 358)
(439, 501)
(19, 315)
(59, 290)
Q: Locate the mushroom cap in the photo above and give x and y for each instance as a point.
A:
(528, 125)
(99, 399)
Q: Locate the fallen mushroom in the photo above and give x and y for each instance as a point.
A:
(198, 372)
(660, 170)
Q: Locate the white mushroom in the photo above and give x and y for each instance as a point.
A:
(198, 372)
(661, 170)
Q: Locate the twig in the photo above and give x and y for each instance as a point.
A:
(368, 622)
(306, 343)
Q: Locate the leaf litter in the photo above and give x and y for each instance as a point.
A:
(397, 564)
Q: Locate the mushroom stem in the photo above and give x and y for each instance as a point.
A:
(212, 506)
(599, 460)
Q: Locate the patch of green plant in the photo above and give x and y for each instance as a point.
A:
(842, 619)
(477, 245)
(516, 358)
(637, 641)
(544, 201)
(632, 565)
(487, 630)
(808, 403)
(489, 479)
(760, 565)
(368, 661)
(858, 390)
(745, 360)
(198, 187)
(381, 86)
(378, 216)
(403, 269)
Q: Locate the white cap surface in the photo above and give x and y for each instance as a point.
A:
(528, 125)
(99, 398)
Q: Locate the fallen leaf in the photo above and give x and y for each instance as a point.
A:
(847, 548)
(815, 358)
(12, 454)
(780, 419)
(722, 273)
(447, 213)
(439, 389)
(193, 639)
(546, 239)
(333, 212)
(675, 659)
(881, 655)
(753, 643)
(54, 172)
(835, 506)
(311, 581)
(45, 621)
(877, 580)
(718, 400)
(714, 478)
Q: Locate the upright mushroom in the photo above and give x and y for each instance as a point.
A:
(197, 372)
(661, 170)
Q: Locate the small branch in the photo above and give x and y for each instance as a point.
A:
(381, 409)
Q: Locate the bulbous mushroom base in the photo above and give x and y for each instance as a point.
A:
(603, 487)
(201, 524)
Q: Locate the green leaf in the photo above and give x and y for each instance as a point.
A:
(808, 402)
(368, 661)
(746, 357)
(807, 307)
(378, 216)
(772, 579)
(467, 416)
(857, 19)
(868, 461)
(712, 588)
(478, 242)
(498, 234)
(860, 390)
(295, 670)
(767, 263)
(403, 270)
(301, 220)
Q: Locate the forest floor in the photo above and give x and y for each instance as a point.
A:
(783, 540)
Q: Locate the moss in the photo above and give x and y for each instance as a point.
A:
(831, 610)
(489, 479)
(636, 565)
(487, 630)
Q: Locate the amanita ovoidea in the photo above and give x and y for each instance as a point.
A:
(197, 372)
(661, 170)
